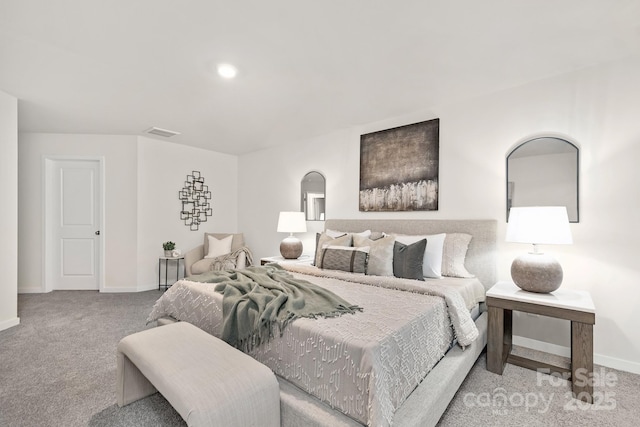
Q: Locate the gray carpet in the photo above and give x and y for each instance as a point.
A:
(57, 368)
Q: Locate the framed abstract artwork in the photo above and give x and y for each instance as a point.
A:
(195, 198)
(399, 168)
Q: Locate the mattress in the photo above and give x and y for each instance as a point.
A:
(364, 365)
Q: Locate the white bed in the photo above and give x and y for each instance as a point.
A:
(313, 391)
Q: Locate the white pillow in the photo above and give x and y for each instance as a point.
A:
(432, 263)
(454, 254)
(219, 247)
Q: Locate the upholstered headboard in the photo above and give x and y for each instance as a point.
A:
(481, 257)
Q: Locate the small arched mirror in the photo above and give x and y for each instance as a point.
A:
(544, 172)
(312, 196)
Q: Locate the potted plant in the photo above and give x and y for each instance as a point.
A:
(168, 247)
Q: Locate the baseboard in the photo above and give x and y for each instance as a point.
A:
(10, 323)
(31, 290)
(152, 287)
(559, 350)
(117, 290)
(139, 288)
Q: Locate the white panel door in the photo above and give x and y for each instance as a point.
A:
(75, 219)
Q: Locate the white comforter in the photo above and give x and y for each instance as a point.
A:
(366, 364)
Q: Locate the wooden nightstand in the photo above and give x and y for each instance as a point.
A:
(576, 306)
(303, 259)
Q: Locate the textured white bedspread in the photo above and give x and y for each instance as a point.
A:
(364, 365)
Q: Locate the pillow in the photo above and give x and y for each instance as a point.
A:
(454, 254)
(334, 233)
(323, 240)
(345, 258)
(375, 235)
(219, 247)
(407, 259)
(236, 243)
(380, 254)
(432, 263)
(201, 266)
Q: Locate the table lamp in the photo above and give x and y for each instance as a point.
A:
(291, 222)
(539, 225)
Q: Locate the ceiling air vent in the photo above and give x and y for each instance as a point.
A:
(161, 132)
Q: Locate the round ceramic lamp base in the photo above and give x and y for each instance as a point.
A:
(291, 248)
(536, 272)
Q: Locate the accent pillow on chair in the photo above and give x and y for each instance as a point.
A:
(236, 243)
(218, 247)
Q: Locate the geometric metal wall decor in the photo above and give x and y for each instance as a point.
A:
(399, 168)
(196, 201)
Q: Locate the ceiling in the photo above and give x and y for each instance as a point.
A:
(306, 68)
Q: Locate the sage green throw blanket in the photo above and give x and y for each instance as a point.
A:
(258, 299)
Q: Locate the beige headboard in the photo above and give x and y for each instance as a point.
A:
(481, 257)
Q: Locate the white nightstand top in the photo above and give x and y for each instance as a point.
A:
(303, 259)
(560, 298)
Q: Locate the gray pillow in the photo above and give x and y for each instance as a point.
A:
(344, 258)
(380, 254)
(407, 259)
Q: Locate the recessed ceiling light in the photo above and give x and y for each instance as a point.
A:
(227, 71)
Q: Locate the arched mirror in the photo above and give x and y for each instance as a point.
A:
(312, 196)
(544, 172)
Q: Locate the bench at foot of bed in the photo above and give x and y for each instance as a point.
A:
(207, 381)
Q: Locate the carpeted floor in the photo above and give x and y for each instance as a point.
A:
(57, 368)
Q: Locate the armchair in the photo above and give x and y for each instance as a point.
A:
(196, 263)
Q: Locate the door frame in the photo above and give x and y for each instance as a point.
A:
(48, 162)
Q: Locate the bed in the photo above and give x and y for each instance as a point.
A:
(384, 366)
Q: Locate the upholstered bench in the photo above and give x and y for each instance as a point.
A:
(208, 382)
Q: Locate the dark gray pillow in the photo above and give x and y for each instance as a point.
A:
(344, 258)
(407, 259)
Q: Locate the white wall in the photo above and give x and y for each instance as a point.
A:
(597, 108)
(142, 179)
(162, 169)
(9, 211)
(120, 208)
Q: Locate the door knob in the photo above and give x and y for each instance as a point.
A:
(97, 233)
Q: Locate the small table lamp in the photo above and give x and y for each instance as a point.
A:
(291, 222)
(536, 271)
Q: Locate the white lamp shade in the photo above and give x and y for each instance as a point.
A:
(292, 222)
(539, 225)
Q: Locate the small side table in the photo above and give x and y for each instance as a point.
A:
(303, 259)
(166, 269)
(576, 306)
